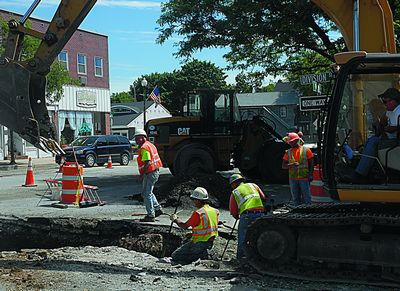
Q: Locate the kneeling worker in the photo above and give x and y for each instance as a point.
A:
(246, 204)
(204, 224)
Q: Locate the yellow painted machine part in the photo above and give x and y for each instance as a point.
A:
(364, 195)
(376, 23)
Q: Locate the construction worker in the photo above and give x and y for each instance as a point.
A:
(149, 163)
(299, 160)
(245, 204)
(204, 224)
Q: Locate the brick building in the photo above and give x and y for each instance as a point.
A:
(83, 109)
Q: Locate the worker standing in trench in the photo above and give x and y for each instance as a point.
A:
(245, 204)
(149, 164)
(204, 224)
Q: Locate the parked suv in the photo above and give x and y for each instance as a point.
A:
(90, 150)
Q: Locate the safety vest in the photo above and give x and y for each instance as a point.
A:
(247, 197)
(301, 171)
(208, 226)
(155, 161)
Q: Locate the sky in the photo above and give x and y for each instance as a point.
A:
(132, 31)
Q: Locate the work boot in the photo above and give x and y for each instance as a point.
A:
(147, 219)
(159, 212)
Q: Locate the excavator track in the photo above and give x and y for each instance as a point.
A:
(351, 243)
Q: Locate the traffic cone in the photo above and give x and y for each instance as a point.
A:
(29, 180)
(62, 162)
(109, 163)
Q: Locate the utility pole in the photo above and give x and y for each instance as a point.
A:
(144, 85)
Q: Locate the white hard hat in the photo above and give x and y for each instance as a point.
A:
(140, 132)
(199, 193)
(235, 177)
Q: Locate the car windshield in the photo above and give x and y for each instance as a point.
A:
(84, 141)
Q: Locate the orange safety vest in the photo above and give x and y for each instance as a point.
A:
(155, 161)
(300, 172)
(208, 226)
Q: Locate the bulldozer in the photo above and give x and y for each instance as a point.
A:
(210, 136)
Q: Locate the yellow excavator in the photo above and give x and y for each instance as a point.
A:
(356, 238)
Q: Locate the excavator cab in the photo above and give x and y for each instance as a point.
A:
(354, 115)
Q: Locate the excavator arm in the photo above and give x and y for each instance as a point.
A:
(374, 30)
(22, 83)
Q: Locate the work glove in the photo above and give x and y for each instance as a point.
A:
(173, 217)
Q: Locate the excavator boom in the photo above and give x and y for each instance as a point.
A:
(23, 82)
(375, 26)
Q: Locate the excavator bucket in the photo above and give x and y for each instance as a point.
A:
(23, 106)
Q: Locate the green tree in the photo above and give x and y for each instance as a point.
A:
(261, 35)
(58, 75)
(121, 97)
(265, 36)
(174, 86)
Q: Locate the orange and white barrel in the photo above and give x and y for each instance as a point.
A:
(72, 184)
(318, 193)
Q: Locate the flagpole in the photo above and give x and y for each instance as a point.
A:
(144, 85)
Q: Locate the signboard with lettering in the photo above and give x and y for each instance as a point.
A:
(86, 99)
(309, 103)
(315, 78)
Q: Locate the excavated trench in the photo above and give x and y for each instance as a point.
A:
(39, 232)
(47, 233)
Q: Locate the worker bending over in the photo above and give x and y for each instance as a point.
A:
(246, 204)
(204, 224)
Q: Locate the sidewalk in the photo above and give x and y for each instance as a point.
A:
(23, 163)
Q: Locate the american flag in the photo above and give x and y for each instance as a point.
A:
(155, 95)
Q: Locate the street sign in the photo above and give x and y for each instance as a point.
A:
(309, 103)
(315, 78)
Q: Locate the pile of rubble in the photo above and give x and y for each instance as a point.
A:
(217, 186)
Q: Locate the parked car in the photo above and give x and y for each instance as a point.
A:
(90, 150)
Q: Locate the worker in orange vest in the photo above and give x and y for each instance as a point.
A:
(299, 160)
(149, 164)
(246, 203)
(204, 224)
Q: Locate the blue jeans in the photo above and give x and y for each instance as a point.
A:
(244, 221)
(370, 149)
(150, 200)
(191, 251)
(300, 190)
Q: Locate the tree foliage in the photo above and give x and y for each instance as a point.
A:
(269, 37)
(173, 86)
(122, 97)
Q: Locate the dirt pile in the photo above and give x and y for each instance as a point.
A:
(217, 186)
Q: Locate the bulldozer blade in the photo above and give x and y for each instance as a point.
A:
(23, 105)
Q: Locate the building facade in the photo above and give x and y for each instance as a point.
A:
(83, 109)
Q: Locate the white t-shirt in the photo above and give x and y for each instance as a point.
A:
(392, 120)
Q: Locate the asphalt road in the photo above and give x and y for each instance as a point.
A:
(115, 187)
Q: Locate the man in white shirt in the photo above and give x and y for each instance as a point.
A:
(391, 99)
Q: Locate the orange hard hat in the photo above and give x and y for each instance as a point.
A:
(292, 137)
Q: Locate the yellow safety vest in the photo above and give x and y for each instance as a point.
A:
(208, 226)
(247, 197)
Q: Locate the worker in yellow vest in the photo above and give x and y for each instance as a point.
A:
(149, 164)
(300, 162)
(245, 204)
(204, 224)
